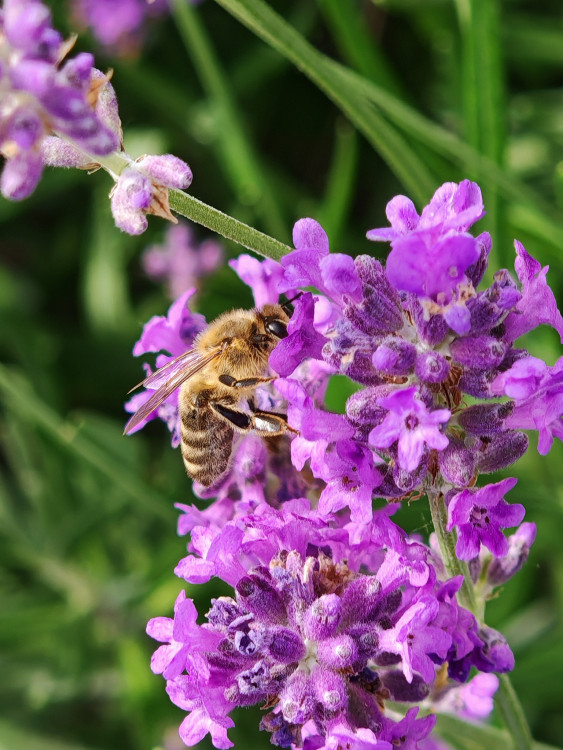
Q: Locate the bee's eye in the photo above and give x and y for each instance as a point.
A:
(277, 327)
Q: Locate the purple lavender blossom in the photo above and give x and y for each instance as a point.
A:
(430, 254)
(119, 24)
(538, 304)
(409, 422)
(479, 515)
(306, 627)
(474, 700)
(42, 98)
(180, 261)
(142, 189)
(263, 277)
(537, 391)
(335, 610)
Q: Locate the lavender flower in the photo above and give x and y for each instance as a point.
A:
(180, 262)
(305, 627)
(119, 24)
(411, 424)
(335, 611)
(537, 391)
(41, 97)
(65, 115)
(142, 189)
(479, 515)
(173, 334)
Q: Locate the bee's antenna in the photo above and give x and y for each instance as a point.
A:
(289, 301)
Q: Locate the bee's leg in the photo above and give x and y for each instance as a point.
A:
(245, 383)
(237, 418)
(264, 423)
(270, 424)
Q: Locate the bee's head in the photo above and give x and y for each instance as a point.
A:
(275, 319)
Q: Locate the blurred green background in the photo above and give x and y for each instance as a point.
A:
(88, 545)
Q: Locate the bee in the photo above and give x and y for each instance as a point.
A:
(218, 376)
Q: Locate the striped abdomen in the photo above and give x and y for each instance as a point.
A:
(207, 440)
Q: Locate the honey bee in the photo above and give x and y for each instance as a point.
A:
(229, 359)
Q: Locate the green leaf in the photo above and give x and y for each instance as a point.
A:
(482, 90)
(392, 147)
(545, 218)
(12, 737)
(358, 47)
(236, 152)
(464, 735)
(20, 397)
(341, 183)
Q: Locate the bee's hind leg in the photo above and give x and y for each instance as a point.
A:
(264, 423)
(244, 383)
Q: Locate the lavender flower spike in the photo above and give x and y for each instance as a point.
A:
(317, 629)
(41, 98)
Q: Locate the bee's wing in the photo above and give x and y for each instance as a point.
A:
(160, 376)
(171, 376)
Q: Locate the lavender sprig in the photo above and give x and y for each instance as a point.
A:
(419, 337)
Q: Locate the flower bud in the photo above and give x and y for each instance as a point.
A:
(504, 568)
(431, 329)
(378, 313)
(167, 169)
(403, 691)
(339, 652)
(286, 646)
(477, 383)
(20, 175)
(502, 451)
(495, 655)
(296, 700)
(261, 598)
(485, 420)
(409, 480)
(457, 463)
(431, 367)
(478, 352)
(329, 689)
(394, 357)
(323, 617)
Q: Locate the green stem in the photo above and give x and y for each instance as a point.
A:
(513, 714)
(507, 700)
(228, 227)
(454, 566)
(195, 210)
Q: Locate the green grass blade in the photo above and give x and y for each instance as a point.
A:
(20, 397)
(483, 93)
(235, 148)
(358, 48)
(341, 183)
(392, 147)
(464, 735)
(452, 147)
